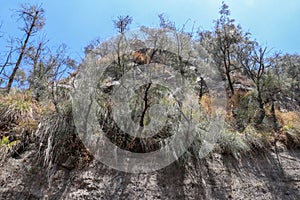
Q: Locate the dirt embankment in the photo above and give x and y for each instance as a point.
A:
(257, 176)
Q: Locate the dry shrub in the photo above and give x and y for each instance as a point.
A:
(256, 139)
(232, 142)
(289, 118)
(19, 116)
(211, 105)
(290, 122)
(206, 103)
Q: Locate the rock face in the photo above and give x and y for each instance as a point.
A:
(258, 176)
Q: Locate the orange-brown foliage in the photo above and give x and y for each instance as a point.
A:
(140, 58)
(234, 101)
(206, 104)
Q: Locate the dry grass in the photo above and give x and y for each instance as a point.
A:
(289, 118)
(19, 114)
(257, 139)
(206, 103)
(59, 142)
(290, 122)
(232, 142)
(19, 118)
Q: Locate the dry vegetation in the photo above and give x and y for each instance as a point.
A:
(43, 116)
(19, 118)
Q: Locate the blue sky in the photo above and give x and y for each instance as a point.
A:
(77, 22)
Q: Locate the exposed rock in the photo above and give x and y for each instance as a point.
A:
(258, 176)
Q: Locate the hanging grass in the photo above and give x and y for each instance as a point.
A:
(59, 143)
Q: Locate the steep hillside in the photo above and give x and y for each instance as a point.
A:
(261, 175)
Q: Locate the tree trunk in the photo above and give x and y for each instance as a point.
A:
(20, 58)
(262, 113)
(276, 125)
(230, 83)
(227, 73)
(146, 105)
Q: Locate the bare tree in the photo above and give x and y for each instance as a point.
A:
(165, 22)
(33, 19)
(7, 62)
(122, 23)
(255, 62)
(47, 67)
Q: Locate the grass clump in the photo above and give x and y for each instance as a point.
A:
(19, 117)
(257, 140)
(5, 142)
(19, 113)
(59, 142)
(232, 142)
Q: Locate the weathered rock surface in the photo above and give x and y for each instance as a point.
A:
(257, 176)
